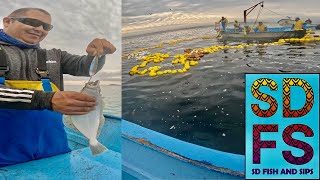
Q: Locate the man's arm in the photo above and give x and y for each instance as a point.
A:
(78, 65)
(65, 102)
(304, 25)
(12, 98)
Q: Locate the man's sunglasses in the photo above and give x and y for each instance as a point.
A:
(34, 23)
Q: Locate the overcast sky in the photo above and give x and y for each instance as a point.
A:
(76, 23)
(148, 13)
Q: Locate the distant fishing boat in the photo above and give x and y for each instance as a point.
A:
(146, 154)
(272, 34)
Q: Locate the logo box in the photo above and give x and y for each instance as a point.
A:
(282, 126)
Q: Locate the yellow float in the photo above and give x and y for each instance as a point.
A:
(192, 56)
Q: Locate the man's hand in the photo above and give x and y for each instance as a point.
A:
(100, 47)
(72, 103)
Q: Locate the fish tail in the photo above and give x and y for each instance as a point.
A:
(96, 147)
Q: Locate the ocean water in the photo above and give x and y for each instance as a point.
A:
(204, 106)
(111, 95)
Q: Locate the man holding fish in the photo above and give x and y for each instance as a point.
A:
(32, 99)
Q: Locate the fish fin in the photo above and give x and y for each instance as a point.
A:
(97, 148)
(67, 121)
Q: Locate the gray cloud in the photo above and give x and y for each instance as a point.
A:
(143, 7)
(76, 23)
(139, 14)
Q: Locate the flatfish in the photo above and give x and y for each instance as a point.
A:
(88, 124)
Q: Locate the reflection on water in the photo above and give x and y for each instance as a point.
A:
(204, 106)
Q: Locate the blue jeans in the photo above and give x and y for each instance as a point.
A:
(223, 24)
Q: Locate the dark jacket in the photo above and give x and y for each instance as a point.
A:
(23, 63)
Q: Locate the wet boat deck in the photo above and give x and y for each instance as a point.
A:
(78, 164)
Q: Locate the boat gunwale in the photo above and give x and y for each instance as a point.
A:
(196, 154)
(207, 165)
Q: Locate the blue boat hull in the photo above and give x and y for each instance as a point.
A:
(273, 34)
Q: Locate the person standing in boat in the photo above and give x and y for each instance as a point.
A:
(31, 103)
(237, 26)
(224, 23)
(298, 24)
(247, 29)
(261, 27)
(308, 21)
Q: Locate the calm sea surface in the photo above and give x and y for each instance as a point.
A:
(204, 106)
(111, 95)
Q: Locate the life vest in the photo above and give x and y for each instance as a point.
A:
(262, 28)
(298, 25)
(236, 25)
(30, 134)
(248, 29)
(224, 21)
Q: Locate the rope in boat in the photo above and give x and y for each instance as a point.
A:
(276, 13)
(260, 10)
